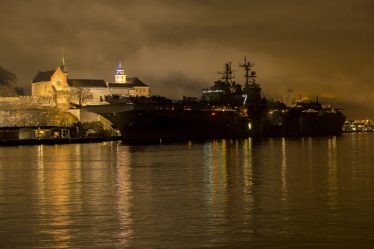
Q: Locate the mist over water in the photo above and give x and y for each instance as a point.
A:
(268, 193)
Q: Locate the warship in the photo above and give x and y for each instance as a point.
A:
(225, 110)
(269, 118)
(156, 118)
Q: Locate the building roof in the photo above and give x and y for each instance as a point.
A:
(86, 83)
(43, 76)
(119, 66)
(130, 82)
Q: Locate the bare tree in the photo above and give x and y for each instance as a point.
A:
(81, 95)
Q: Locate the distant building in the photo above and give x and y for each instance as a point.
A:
(98, 89)
(57, 84)
(52, 83)
(133, 87)
(127, 86)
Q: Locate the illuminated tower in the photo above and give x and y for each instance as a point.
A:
(120, 76)
(63, 67)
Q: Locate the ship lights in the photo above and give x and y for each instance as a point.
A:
(249, 126)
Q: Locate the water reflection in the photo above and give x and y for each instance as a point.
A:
(229, 165)
(272, 193)
(247, 165)
(123, 194)
(216, 165)
(332, 171)
(71, 186)
(284, 169)
(227, 161)
(53, 205)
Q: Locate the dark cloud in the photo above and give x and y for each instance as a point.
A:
(176, 85)
(315, 47)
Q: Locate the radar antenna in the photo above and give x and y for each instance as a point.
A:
(247, 67)
(253, 77)
(227, 74)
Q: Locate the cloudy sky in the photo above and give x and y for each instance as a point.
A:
(313, 47)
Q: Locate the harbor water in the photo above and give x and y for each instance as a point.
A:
(266, 193)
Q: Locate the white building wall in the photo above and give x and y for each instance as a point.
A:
(139, 91)
(119, 91)
(98, 94)
(41, 89)
(120, 78)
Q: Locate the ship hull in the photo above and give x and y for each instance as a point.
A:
(301, 124)
(155, 123)
(321, 124)
(169, 125)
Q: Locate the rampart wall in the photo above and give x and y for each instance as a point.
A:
(26, 102)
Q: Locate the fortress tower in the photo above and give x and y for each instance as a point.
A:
(63, 67)
(120, 76)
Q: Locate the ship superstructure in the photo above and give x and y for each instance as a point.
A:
(272, 118)
(226, 110)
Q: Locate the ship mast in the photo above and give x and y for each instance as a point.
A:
(247, 67)
(227, 74)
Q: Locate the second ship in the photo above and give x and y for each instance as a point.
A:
(225, 110)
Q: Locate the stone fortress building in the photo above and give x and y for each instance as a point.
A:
(54, 88)
(65, 90)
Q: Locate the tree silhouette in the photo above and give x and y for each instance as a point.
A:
(81, 95)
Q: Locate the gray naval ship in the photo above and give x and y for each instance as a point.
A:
(225, 110)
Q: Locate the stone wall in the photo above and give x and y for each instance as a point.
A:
(41, 89)
(25, 102)
(36, 117)
(32, 111)
(85, 117)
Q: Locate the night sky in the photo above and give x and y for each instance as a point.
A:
(313, 47)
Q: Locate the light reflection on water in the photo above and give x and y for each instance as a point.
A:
(123, 196)
(269, 193)
(332, 172)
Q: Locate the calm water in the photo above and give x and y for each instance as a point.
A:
(272, 193)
